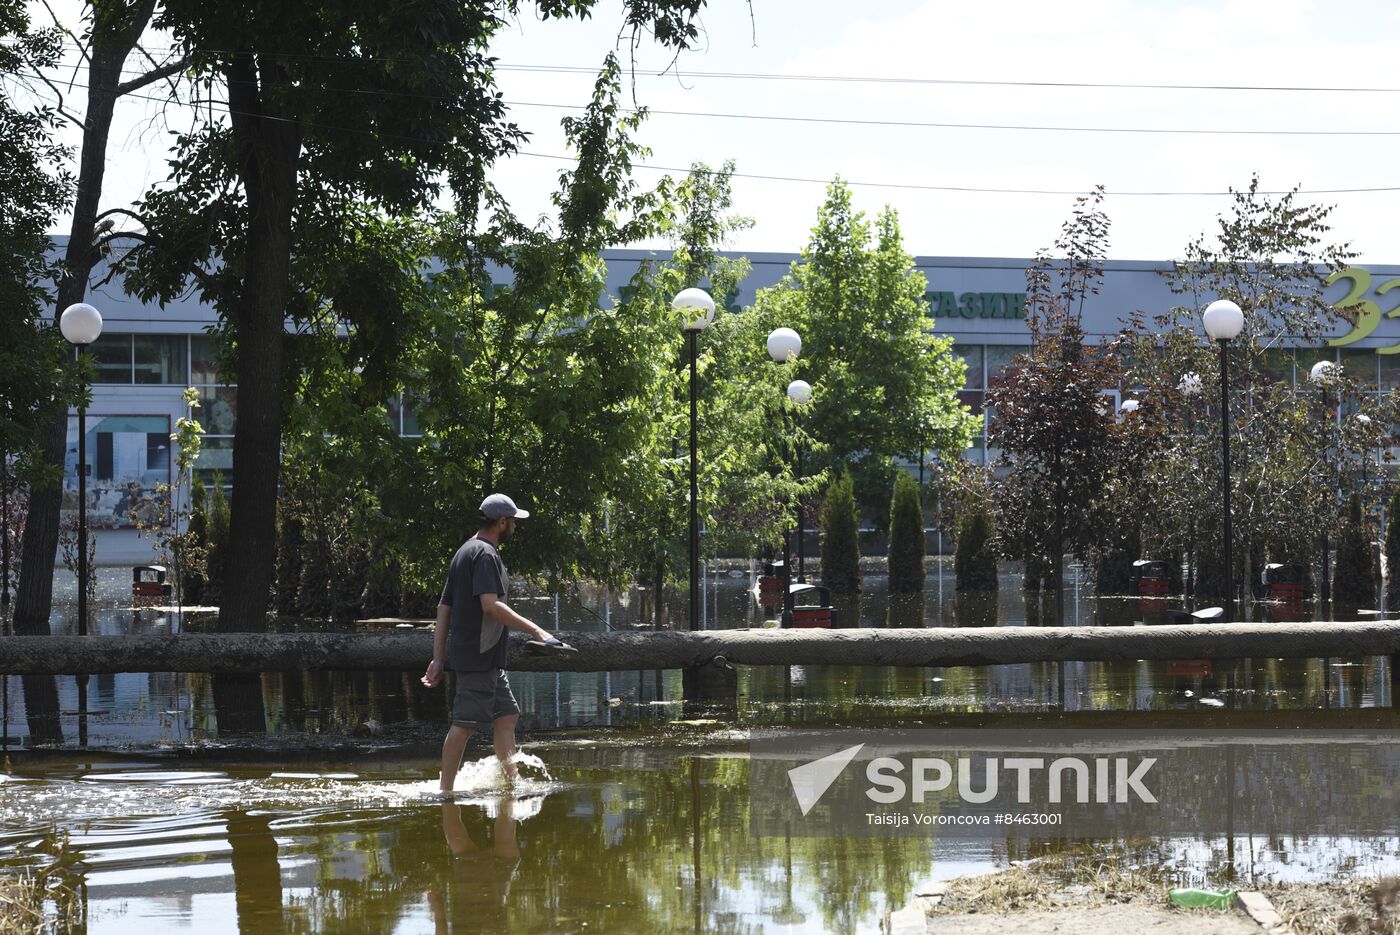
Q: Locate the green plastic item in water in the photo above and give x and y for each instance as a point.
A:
(1202, 899)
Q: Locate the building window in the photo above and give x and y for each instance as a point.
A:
(204, 365)
(160, 358)
(1360, 364)
(111, 357)
(971, 355)
(218, 409)
(999, 358)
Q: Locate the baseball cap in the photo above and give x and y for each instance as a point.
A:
(499, 506)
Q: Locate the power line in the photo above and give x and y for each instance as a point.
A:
(871, 122)
(672, 72)
(866, 79)
(967, 189)
(852, 121)
(994, 191)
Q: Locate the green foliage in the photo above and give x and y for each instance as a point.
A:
(883, 386)
(205, 545)
(191, 573)
(1290, 452)
(35, 384)
(906, 539)
(1354, 584)
(217, 545)
(975, 564)
(840, 531)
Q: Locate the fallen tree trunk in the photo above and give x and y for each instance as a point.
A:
(668, 649)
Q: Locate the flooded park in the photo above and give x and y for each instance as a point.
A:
(633, 811)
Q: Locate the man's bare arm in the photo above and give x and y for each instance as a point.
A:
(499, 611)
(434, 673)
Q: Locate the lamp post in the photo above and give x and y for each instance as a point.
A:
(784, 346)
(81, 324)
(1190, 386)
(1223, 321)
(696, 302)
(800, 392)
(1322, 374)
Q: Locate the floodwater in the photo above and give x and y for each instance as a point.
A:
(633, 813)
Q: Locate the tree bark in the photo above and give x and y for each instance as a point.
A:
(267, 149)
(675, 649)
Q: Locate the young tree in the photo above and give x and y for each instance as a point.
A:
(884, 385)
(841, 537)
(906, 537)
(1052, 421)
(975, 563)
(338, 114)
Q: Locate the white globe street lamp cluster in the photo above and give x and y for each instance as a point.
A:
(785, 346)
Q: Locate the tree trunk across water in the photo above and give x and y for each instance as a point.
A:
(668, 649)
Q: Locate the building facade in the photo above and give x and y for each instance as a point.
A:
(147, 355)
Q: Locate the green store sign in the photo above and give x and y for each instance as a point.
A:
(977, 305)
(1361, 300)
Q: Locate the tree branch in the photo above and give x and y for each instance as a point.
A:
(60, 108)
(152, 76)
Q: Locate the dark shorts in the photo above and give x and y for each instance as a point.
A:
(482, 697)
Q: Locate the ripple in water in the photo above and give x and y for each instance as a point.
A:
(41, 801)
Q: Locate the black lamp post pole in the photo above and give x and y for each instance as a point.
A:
(694, 493)
(801, 546)
(1229, 609)
(1325, 591)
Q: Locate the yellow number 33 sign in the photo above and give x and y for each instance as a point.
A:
(1369, 313)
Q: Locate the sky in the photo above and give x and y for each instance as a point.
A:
(948, 47)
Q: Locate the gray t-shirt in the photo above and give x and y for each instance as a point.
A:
(475, 643)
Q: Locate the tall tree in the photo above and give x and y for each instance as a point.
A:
(35, 387)
(884, 386)
(335, 110)
(1052, 421)
(108, 40)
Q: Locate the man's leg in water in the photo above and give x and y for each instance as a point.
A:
(505, 744)
(453, 746)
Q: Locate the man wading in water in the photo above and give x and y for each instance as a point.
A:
(470, 639)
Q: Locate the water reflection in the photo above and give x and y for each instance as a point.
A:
(642, 836)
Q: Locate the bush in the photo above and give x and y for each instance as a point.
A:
(1392, 552)
(975, 564)
(906, 548)
(1354, 585)
(216, 534)
(192, 589)
(840, 537)
(206, 550)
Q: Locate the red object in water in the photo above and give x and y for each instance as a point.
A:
(1190, 667)
(821, 617)
(149, 581)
